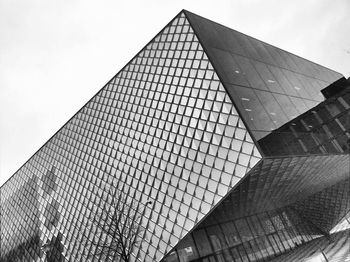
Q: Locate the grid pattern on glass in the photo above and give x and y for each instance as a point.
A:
(163, 130)
(312, 192)
(19, 218)
(268, 85)
(29, 214)
(327, 207)
(282, 181)
(321, 249)
(258, 237)
(322, 130)
(178, 126)
(275, 183)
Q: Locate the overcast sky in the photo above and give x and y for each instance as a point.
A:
(55, 55)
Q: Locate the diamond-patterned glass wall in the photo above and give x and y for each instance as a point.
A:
(162, 130)
(281, 204)
(325, 208)
(163, 143)
(277, 182)
(19, 218)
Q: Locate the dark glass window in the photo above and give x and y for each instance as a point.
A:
(253, 110)
(243, 229)
(230, 233)
(287, 106)
(267, 77)
(252, 75)
(186, 250)
(272, 108)
(202, 242)
(216, 237)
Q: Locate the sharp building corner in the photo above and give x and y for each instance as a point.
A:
(209, 145)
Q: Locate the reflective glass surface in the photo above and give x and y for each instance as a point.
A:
(280, 205)
(321, 249)
(162, 131)
(323, 130)
(254, 238)
(167, 142)
(243, 62)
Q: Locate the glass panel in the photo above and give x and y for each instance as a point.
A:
(267, 77)
(299, 104)
(230, 233)
(186, 250)
(248, 69)
(287, 106)
(253, 110)
(244, 230)
(216, 237)
(231, 70)
(273, 109)
(141, 135)
(202, 242)
(297, 85)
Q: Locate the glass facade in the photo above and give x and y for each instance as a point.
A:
(321, 250)
(280, 205)
(326, 207)
(171, 134)
(268, 85)
(252, 238)
(282, 181)
(163, 129)
(325, 129)
(19, 216)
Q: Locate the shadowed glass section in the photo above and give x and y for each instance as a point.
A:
(324, 129)
(326, 249)
(163, 131)
(327, 207)
(268, 85)
(281, 204)
(277, 182)
(257, 237)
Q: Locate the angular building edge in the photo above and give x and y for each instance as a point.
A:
(234, 212)
(94, 95)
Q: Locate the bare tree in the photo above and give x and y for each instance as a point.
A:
(119, 224)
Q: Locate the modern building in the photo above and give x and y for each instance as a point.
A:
(214, 146)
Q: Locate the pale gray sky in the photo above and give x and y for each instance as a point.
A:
(55, 55)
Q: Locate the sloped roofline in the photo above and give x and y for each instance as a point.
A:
(86, 103)
(189, 13)
(255, 141)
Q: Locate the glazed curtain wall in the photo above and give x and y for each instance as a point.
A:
(269, 86)
(162, 130)
(254, 238)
